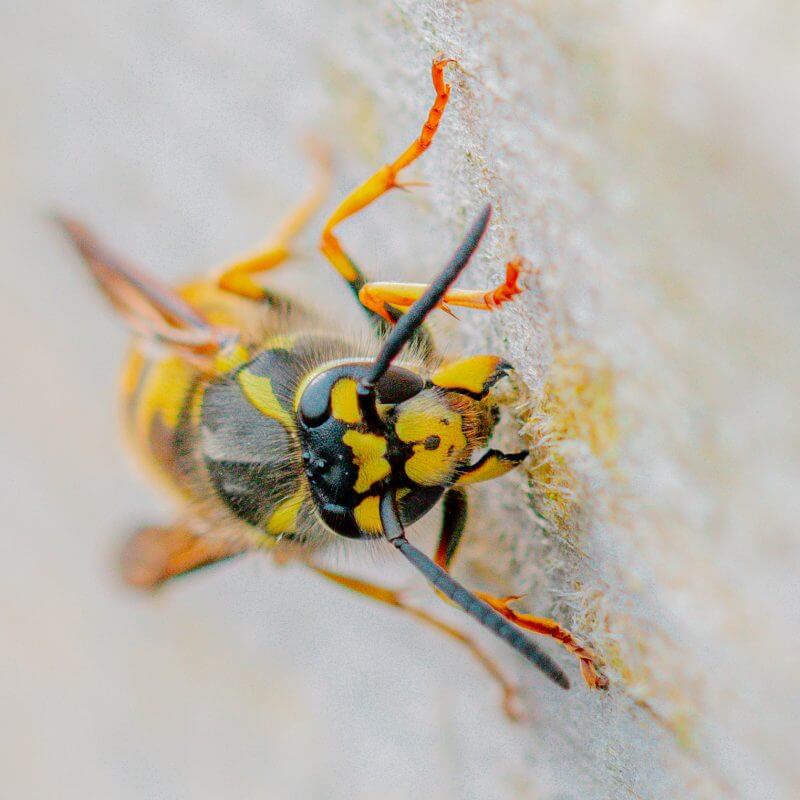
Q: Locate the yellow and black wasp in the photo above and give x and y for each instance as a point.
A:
(277, 434)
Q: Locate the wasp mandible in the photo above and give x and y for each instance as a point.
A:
(275, 434)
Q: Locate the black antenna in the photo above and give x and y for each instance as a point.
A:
(452, 589)
(414, 317)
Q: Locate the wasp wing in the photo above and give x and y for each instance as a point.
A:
(148, 306)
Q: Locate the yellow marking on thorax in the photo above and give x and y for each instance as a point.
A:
(368, 454)
(284, 518)
(439, 442)
(284, 341)
(368, 515)
(258, 390)
(471, 374)
(231, 358)
(344, 401)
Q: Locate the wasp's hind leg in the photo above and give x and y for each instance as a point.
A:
(156, 554)
(393, 598)
(454, 520)
(237, 277)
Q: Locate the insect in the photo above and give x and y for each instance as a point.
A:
(275, 433)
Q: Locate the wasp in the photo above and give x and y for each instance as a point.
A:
(275, 432)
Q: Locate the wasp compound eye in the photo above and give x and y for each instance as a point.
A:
(396, 385)
(315, 404)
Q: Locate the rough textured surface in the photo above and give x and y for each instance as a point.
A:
(645, 158)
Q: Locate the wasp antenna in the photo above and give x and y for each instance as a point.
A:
(415, 316)
(466, 600)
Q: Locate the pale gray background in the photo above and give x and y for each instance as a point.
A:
(646, 157)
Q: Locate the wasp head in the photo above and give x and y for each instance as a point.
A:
(413, 440)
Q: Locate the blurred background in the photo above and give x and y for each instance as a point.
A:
(646, 159)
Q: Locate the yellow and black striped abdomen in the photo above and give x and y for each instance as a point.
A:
(159, 394)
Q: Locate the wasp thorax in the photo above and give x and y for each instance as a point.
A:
(416, 447)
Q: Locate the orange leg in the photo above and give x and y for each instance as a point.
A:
(548, 627)
(392, 598)
(237, 277)
(453, 523)
(399, 296)
(382, 181)
(154, 555)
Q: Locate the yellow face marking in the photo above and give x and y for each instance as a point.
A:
(368, 516)
(258, 390)
(344, 401)
(439, 442)
(284, 518)
(368, 455)
(493, 467)
(471, 374)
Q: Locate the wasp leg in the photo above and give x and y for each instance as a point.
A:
(392, 598)
(238, 276)
(385, 298)
(381, 182)
(455, 509)
(474, 375)
(549, 627)
(453, 523)
(375, 186)
(491, 465)
(155, 554)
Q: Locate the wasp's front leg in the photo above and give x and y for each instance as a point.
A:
(383, 298)
(237, 277)
(454, 520)
(380, 183)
